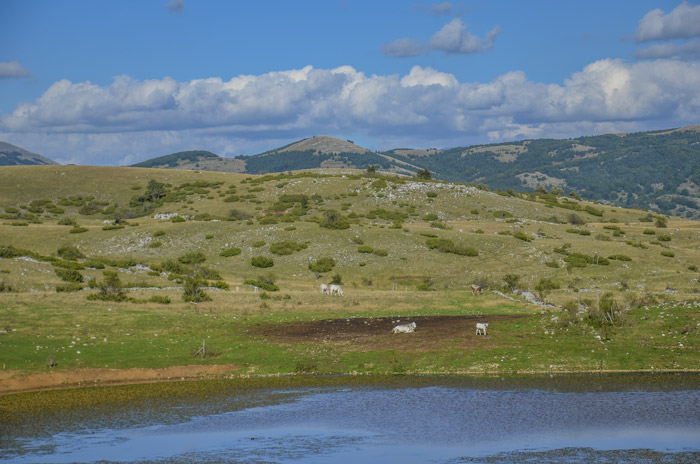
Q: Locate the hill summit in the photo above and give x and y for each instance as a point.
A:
(11, 155)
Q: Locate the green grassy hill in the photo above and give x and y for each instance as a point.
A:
(400, 246)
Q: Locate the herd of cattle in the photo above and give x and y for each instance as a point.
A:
(334, 289)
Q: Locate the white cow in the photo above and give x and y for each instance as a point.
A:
(481, 327)
(405, 328)
(335, 289)
(324, 289)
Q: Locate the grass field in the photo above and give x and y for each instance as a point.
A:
(620, 284)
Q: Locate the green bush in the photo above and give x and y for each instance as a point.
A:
(336, 279)
(159, 299)
(668, 254)
(522, 236)
(69, 275)
(262, 284)
(193, 257)
(502, 214)
(221, 285)
(380, 252)
(70, 253)
(286, 247)
(262, 261)
(230, 251)
(77, 230)
(325, 264)
(67, 221)
(365, 249)
(193, 292)
(66, 288)
(620, 257)
(258, 243)
(447, 246)
(334, 220)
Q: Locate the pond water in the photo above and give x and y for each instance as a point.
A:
(442, 421)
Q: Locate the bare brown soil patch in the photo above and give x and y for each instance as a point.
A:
(364, 334)
(11, 382)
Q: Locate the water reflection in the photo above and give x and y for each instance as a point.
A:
(373, 424)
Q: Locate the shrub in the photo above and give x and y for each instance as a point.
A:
(423, 174)
(447, 246)
(66, 288)
(77, 230)
(620, 257)
(649, 232)
(258, 243)
(668, 254)
(69, 275)
(270, 287)
(511, 281)
(262, 262)
(70, 253)
(286, 247)
(324, 264)
(155, 244)
(334, 220)
(159, 299)
(193, 257)
(430, 217)
(67, 222)
(502, 214)
(336, 279)
(230, 251)
(176, 219)
(522, 236)
(113, 227)
(110, 288)
(545, 286)
(269, 219)
(172, 266)
(221, 285)
(365, 249)
(193, 292)
(380, 252)
(663, 238)
(575, 220)
(591, 210)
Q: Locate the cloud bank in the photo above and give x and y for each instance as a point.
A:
(681, 23)
(131, 120)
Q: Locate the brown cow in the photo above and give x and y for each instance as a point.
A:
(477, 289)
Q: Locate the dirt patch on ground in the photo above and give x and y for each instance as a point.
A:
(364, 334)
(11, 382)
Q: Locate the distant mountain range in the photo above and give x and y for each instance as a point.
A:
(657, 170)
(11, 155)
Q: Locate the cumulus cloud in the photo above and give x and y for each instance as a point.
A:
(13, 69)
(175, 6)
(130, 120)
(402, 48)
(681, 23)
(688, 50)
(454, 38)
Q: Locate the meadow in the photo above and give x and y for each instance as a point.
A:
(123, 268)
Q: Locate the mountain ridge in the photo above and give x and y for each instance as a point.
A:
(12, 155)
(656, 170)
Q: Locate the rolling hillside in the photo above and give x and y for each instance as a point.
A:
(99, 265)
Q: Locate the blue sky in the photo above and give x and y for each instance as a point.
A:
(113, 83)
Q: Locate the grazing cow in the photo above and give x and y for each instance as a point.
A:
(477, 289)
(481, 327)
(405, 328)
(324, 289)
(335, 289)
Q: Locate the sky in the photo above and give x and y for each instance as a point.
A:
(118, 82)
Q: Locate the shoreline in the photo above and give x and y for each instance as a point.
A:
(14, 382)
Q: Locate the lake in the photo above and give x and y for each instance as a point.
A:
(616, 419)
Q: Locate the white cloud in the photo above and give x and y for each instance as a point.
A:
(12, 69)
(681, 23)
(453, 38)
(175, 6)
(131, 120)
(688, 50)
(402, 48)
